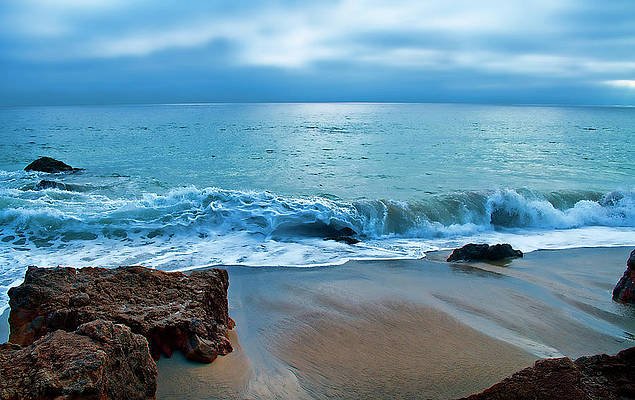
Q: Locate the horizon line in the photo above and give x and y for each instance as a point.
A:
(212, 103)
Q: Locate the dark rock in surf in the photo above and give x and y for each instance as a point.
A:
(343, 239)
(596, 377)
(624, 291)
(44, 184)
(99, 360)
(484, 252)
(50, 165)
(172, 310)
(343, 235)
(346, 231)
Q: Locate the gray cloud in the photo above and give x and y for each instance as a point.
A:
(582, 43)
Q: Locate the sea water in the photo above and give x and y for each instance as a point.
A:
(188, 185)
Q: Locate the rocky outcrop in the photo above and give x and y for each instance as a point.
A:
(100, 360)
(484, 252)
(624, 291)
(50, 165)
(596, 377)
(172, 310)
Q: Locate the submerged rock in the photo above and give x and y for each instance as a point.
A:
(484, 252)
(172, 310)
(343, 235)
(100, 360)
(596, 377)
(343, 239)
(44, 184)
(50, 165)
(346, 231)
(624, 291)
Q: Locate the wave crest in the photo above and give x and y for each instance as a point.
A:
(217, 211)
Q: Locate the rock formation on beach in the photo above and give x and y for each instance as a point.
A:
(595, 377)
(92, 333)
(50, 165)
(484, 252)
(173, 311)
(100, 360)
(624, 291)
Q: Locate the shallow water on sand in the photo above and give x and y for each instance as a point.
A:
(409, 328)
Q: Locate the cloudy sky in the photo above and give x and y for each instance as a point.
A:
(513, 51)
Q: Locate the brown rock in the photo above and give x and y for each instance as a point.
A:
(100, 360)
(596, 377)
(172, 310)
(624, 290)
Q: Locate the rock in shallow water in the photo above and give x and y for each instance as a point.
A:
(343, 239)
(50, 165)
(484, 252)
(596, 377)
(172, 310)
(45, 184)
(100, 360)
(624, 291)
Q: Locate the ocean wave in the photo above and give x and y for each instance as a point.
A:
(187, 228)
(52, 214)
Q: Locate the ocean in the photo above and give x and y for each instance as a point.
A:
(183, 186)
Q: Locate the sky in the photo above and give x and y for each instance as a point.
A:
(486, 51)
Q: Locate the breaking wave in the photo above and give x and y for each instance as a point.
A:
(53, 215)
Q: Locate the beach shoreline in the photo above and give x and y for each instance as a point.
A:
(408, 328)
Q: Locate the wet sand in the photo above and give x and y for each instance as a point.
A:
(376, 350)
(394, 350)
(227, 376)
(408, 329)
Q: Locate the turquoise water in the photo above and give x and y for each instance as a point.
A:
(181, 186)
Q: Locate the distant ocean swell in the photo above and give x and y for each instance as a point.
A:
(50, 217)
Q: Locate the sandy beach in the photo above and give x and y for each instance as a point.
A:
(407, 329)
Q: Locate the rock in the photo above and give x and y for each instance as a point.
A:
(484, 252)
(79, 300)
(50, 165)
(344, 239)
(44, 184)
(100, 360)
(624, 291)
(172, 310)
(596, 377)
(346, 231)
(343, 235)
